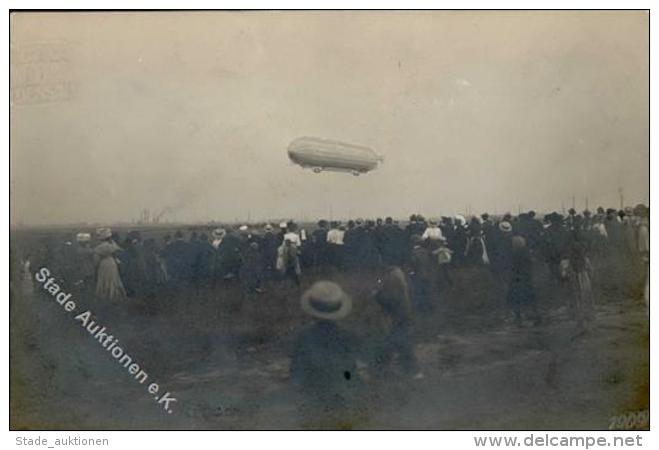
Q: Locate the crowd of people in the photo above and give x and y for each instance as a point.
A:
(325, 358)
(426, 250)
(413, 265)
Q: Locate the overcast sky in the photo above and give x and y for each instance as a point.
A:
(194, 112)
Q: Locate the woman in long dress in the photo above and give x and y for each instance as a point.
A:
(108, 282)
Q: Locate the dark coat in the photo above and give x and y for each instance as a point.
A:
(458, 243)
(269, 244)
(324, 364)
(178, 257)
(133, 268)
(202, 258)
(393, 245)
(422, 263)
(351, 243)
(228, 255)
(500, 250)
(320, 247)
(251, 270)
(554, 243)
(521, 289)
(369, 256)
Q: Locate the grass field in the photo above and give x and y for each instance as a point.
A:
(224, 357)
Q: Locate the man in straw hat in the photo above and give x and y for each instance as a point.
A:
(500, 248)
(218, 234)
(324, 358)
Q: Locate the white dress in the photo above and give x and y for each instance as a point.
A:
(108, 281)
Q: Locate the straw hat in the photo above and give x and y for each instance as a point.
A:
(83, 237)
(506, 227)
(218, 233)
(326, 300)
(104, 233)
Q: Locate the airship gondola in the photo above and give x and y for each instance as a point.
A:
(326, 154)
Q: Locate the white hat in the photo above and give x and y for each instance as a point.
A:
(461, 219)
(104, 233)
(326, 300)
(83, 237)
(243, 228)
(218, 232)
(283, 225)
(268, 227)
(505, 226)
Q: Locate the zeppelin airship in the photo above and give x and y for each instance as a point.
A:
(326, 154)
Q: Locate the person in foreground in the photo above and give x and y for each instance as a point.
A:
(324, 361)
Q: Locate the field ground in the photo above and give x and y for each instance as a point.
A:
(225, 360)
